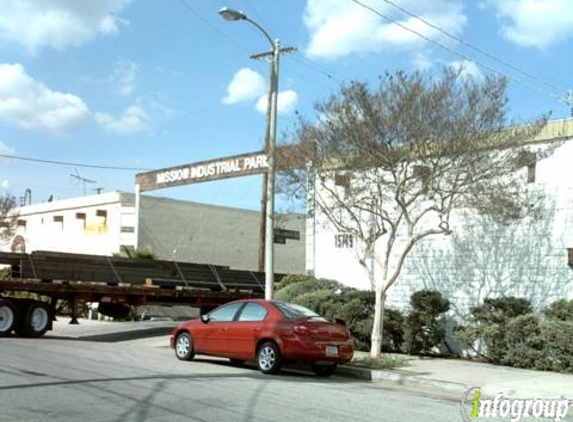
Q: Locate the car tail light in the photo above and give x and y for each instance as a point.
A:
(301, 330)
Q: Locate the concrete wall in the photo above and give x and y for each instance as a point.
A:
(89, 224)
(178, 230)
(188, 231)
(482, 258)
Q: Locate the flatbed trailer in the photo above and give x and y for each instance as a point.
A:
(39, 281)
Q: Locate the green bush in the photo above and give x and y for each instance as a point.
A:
(393, 330)
(501, 310)
(558, 337)
(561, 310)
(524, 342)
(292, 287)
(486, 333)
(333, 300)
(424, 327)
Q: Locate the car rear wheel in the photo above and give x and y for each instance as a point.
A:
(7, 317)
(324, 370)
(269, 358)
(184, 347)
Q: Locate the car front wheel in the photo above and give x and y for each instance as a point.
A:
(269, 358)
(184, 347)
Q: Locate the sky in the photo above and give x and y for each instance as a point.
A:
(153, 84)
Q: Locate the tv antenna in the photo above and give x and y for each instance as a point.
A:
(81, 180)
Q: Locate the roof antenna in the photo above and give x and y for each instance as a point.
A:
(81, 180)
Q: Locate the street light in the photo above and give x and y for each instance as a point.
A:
(235, 15)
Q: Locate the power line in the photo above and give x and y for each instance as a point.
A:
(213, 27)
(64, 163)
(312, 66)
(308, 64)
(456, 53)
(478, 49)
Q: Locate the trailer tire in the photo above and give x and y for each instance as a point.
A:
(35, 320)
(7, 317)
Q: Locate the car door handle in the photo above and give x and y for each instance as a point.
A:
(222, 329)
(256, 330)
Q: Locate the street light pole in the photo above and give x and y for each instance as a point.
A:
(235, 15)
(269, 227)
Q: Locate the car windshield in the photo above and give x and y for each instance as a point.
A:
(293, 311)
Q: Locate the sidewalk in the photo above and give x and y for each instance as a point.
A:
(457, 376)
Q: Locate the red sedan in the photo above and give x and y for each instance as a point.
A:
(271, 333)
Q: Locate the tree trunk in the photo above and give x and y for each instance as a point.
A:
(378, 326)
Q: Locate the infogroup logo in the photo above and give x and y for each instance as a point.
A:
(474, 407)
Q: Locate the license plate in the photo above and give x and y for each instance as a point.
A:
(331, 350)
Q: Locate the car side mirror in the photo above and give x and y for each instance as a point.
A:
(205, 318)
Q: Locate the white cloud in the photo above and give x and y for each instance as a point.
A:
(6, 150)
(125, 76)
(31, 105)
(133, 120)
(36, 24)
(5, 184)
(422, 61)
(535, 23)
(246, 85)
(340, 28)
(467, 69)
(286, 102)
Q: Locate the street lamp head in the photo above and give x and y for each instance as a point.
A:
(231, 14)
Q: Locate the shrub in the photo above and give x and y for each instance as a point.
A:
(561, 310)
(524, 342)
(558, 337)
(425, 327)
(486, 333)
(289, 289)
(333, 300)
(501, 310)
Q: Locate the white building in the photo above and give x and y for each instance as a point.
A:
(174, 230)
(527, 259)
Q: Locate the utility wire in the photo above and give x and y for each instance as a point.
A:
(463, 56)
(63, 163)
(308, 64)
(478, 49)
(311, 65)
(187, 6)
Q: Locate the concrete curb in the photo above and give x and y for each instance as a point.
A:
(403, 378)
(400, 378)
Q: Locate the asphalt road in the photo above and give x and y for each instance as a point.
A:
(70, 380)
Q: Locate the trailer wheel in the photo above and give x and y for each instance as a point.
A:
(35, 320)
(7, 317)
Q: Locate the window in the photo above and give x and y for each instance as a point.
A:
(59, 222)
(292, 311)
(531, 173)
(341, 179)
(226, 313)
(128, 229)
(343, 241)
(253, 312)
(22, 223)
(102, 216)
(81, 217)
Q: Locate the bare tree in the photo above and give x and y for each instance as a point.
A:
(492, 257)
(8, 217)
(391, 165)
